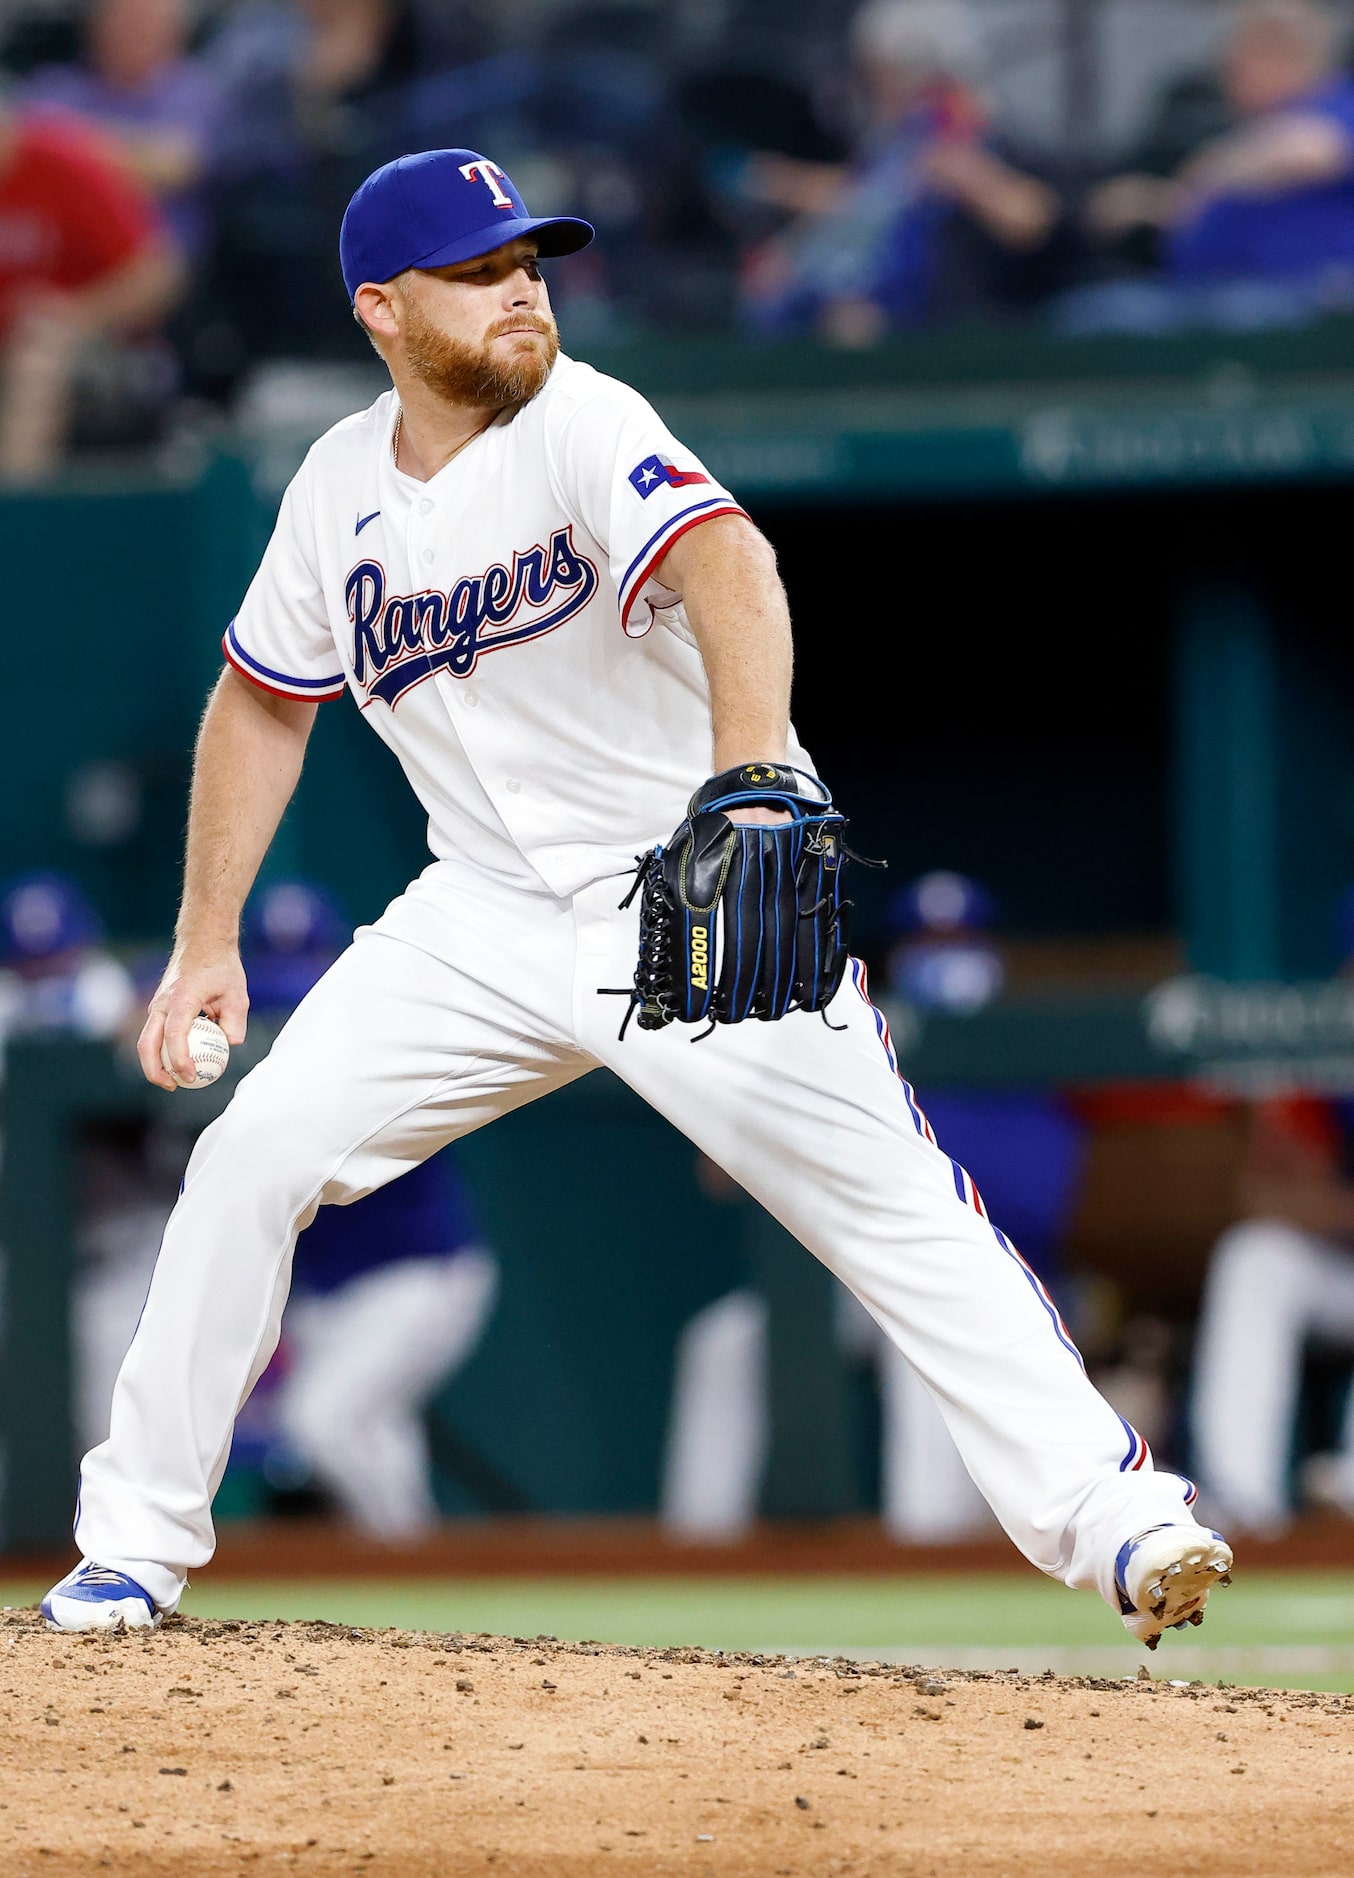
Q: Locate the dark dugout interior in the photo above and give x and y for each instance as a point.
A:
(989, 687)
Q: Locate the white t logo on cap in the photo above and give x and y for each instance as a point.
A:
(483, 171)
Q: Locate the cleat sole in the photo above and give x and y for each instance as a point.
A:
(1171, 1573)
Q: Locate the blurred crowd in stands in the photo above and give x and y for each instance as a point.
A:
(173, 173)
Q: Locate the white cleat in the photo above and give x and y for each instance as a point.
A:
(1164, 1577)
(95, 1597)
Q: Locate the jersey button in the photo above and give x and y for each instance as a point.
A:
(512, 786)
(429, 556)
(425, 507)
(472, 698)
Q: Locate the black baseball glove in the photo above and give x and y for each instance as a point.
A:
(742, 920)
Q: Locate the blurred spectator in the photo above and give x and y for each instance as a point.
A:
(1280, 1281)
(84, 262)
(1190, 111)
(158, 105)
(929, 222)
(317, 93)
(606, 145)
(1257, 227)
(943, 961)
(389, 1295)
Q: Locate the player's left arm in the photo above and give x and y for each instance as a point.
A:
(725, 571)
(740, 921)
(1295, 150)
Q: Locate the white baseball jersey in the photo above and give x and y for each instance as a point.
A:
(501, 628)
(500, 625)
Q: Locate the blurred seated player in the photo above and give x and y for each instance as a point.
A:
(929, 221)
(1280, 1282)
(1257, 227)
(85, 266)
(55, 975)
(56, 979)
(129, 1178)
(1025, 1151)
(390, 1295)
(943, 961)
(158, 105)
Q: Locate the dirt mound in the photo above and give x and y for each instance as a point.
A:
(217, 1747)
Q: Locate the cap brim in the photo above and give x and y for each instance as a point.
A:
(555, 234)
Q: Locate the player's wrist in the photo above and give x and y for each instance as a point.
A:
(206, 942)
(735, 755)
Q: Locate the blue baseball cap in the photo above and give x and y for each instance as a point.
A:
(439, 207)
(292, 932)
(289, 916)
(940, 902)
(42, 915)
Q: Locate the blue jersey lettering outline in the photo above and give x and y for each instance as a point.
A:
(410, 637)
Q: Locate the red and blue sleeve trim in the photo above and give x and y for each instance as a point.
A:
(641, 568)
(281, 684)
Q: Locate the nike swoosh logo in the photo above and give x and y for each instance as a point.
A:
(362, 521)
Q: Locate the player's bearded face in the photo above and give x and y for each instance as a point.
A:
(506, 367)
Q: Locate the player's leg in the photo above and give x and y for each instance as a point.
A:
(817, 1125)
(396, 1051)
(367, 1359)
(1269, 1288)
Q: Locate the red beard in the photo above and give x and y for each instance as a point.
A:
(471, 375)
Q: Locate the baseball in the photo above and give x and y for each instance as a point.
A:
(210, 1053)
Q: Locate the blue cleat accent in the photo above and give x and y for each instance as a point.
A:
(95, 1597)
(1163, 1577)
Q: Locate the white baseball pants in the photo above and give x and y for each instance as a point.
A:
(1271, 1288)
(470, 997)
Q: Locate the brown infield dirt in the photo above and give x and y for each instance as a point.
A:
(215, 1747)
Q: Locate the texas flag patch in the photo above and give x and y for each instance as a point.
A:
(653, 473)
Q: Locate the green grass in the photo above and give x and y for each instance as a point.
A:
(1292, 1630)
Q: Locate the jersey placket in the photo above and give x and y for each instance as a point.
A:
(468, 709)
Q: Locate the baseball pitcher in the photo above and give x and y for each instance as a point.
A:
(576, 643)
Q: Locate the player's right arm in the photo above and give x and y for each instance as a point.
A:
(246, 767)
(281, 662)
(248, 761)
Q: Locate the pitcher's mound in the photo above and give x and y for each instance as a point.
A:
(244, 1747)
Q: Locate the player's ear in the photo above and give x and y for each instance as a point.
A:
(374, 308)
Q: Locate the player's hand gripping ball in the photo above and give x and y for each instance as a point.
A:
(209, 1050)
(743, 920)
